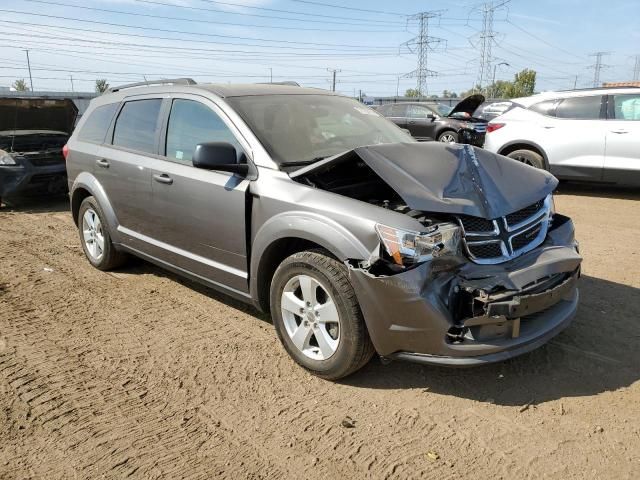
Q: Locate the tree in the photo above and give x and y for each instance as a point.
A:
(102, 85)
(524, 83)
(448, 94)
(412, 93)
(20, 85)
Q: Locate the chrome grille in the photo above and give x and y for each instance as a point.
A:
(504, 238)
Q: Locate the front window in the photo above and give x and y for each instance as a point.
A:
(626, 107)
(300, 129)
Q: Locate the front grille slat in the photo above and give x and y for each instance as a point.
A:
(504, 238)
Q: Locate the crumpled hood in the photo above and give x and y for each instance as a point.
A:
(37, 114)
(452, 178)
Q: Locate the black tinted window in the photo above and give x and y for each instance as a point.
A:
(191, 123)
(627, 107)
(581, 108)
(548, 107)
(136, 125)
(398, 110)
(419, 111)
(96, 126)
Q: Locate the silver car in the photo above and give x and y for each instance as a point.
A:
(315, 208)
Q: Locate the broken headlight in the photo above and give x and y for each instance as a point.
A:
(409, 248)
(6, 159)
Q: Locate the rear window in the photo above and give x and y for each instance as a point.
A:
(580, 108)
(137, 124)
(95, 128)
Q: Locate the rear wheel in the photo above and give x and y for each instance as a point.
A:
(95, 237)
(317, 317)
(528, 157)
(448, 137)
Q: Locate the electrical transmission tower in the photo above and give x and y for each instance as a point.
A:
(597, 67)
(487, 39)
(422, 44)
(636, 69)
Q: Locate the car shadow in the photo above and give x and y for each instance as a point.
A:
(597, 353)
(597, 190)
(39, 204)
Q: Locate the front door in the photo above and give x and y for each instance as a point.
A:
(421, 122)
(198, 217)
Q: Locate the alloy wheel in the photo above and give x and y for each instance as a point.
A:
(447, 138)
(92, 234)
(310, 317)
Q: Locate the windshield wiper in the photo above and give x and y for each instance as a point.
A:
(300, 163)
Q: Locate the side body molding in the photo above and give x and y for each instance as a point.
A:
(87, 181)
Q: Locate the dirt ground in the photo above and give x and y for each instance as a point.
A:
(139, 373)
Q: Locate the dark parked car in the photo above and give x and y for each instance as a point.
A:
(32, 134)
(433, 121)
(357, 238)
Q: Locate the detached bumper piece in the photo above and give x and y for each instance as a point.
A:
(467, 314)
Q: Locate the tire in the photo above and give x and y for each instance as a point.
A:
(448, 136)
(107, 257)
(528, 157)
(329, 350)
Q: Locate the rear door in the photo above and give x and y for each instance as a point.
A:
(396, 112)
(572, 134)
(622, 158)
(198, 217)
(122, 163)
(421, 122)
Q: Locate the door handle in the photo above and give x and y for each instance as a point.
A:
(163, 178)
(548, 127)
(103, 162)
(412, 122)
(620, 131)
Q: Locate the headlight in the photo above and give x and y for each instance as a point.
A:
(409, 248)
(6, 159)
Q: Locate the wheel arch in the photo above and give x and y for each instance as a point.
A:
(509, 147)
(86, 185)
(287, 234)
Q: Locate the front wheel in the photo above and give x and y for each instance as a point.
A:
(448, 137)
(317, 317)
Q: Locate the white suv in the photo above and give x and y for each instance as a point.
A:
(591, 134)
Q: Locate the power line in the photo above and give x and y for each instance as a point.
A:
(421, 44)
(309, 2)
(114, 24)
(194, 20)
(598, 66)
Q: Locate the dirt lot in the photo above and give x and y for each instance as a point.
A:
(138, 373)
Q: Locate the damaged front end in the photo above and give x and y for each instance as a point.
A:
(489, 271)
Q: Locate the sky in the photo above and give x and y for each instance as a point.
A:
(72, 43)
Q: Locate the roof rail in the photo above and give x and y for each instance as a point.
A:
(166, 81)
(586, 89)
(291, 83)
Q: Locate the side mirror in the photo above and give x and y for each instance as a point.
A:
(431, 116)
(219, 156)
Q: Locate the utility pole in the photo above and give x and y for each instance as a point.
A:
(575, 82)
(29, 67)
(636, 69)
(421, 44)
(270, 75)
(397, 87)
(333, 78)
(71, 77)
(487, 39)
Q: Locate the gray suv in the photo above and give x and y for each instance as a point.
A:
(315, 208)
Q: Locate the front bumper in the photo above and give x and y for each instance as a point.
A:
(26, 179)
(463, 314)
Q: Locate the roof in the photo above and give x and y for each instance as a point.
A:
(250, 89)
(539, 97)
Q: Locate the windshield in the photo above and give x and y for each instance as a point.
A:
(299, 129)
(444, 110)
